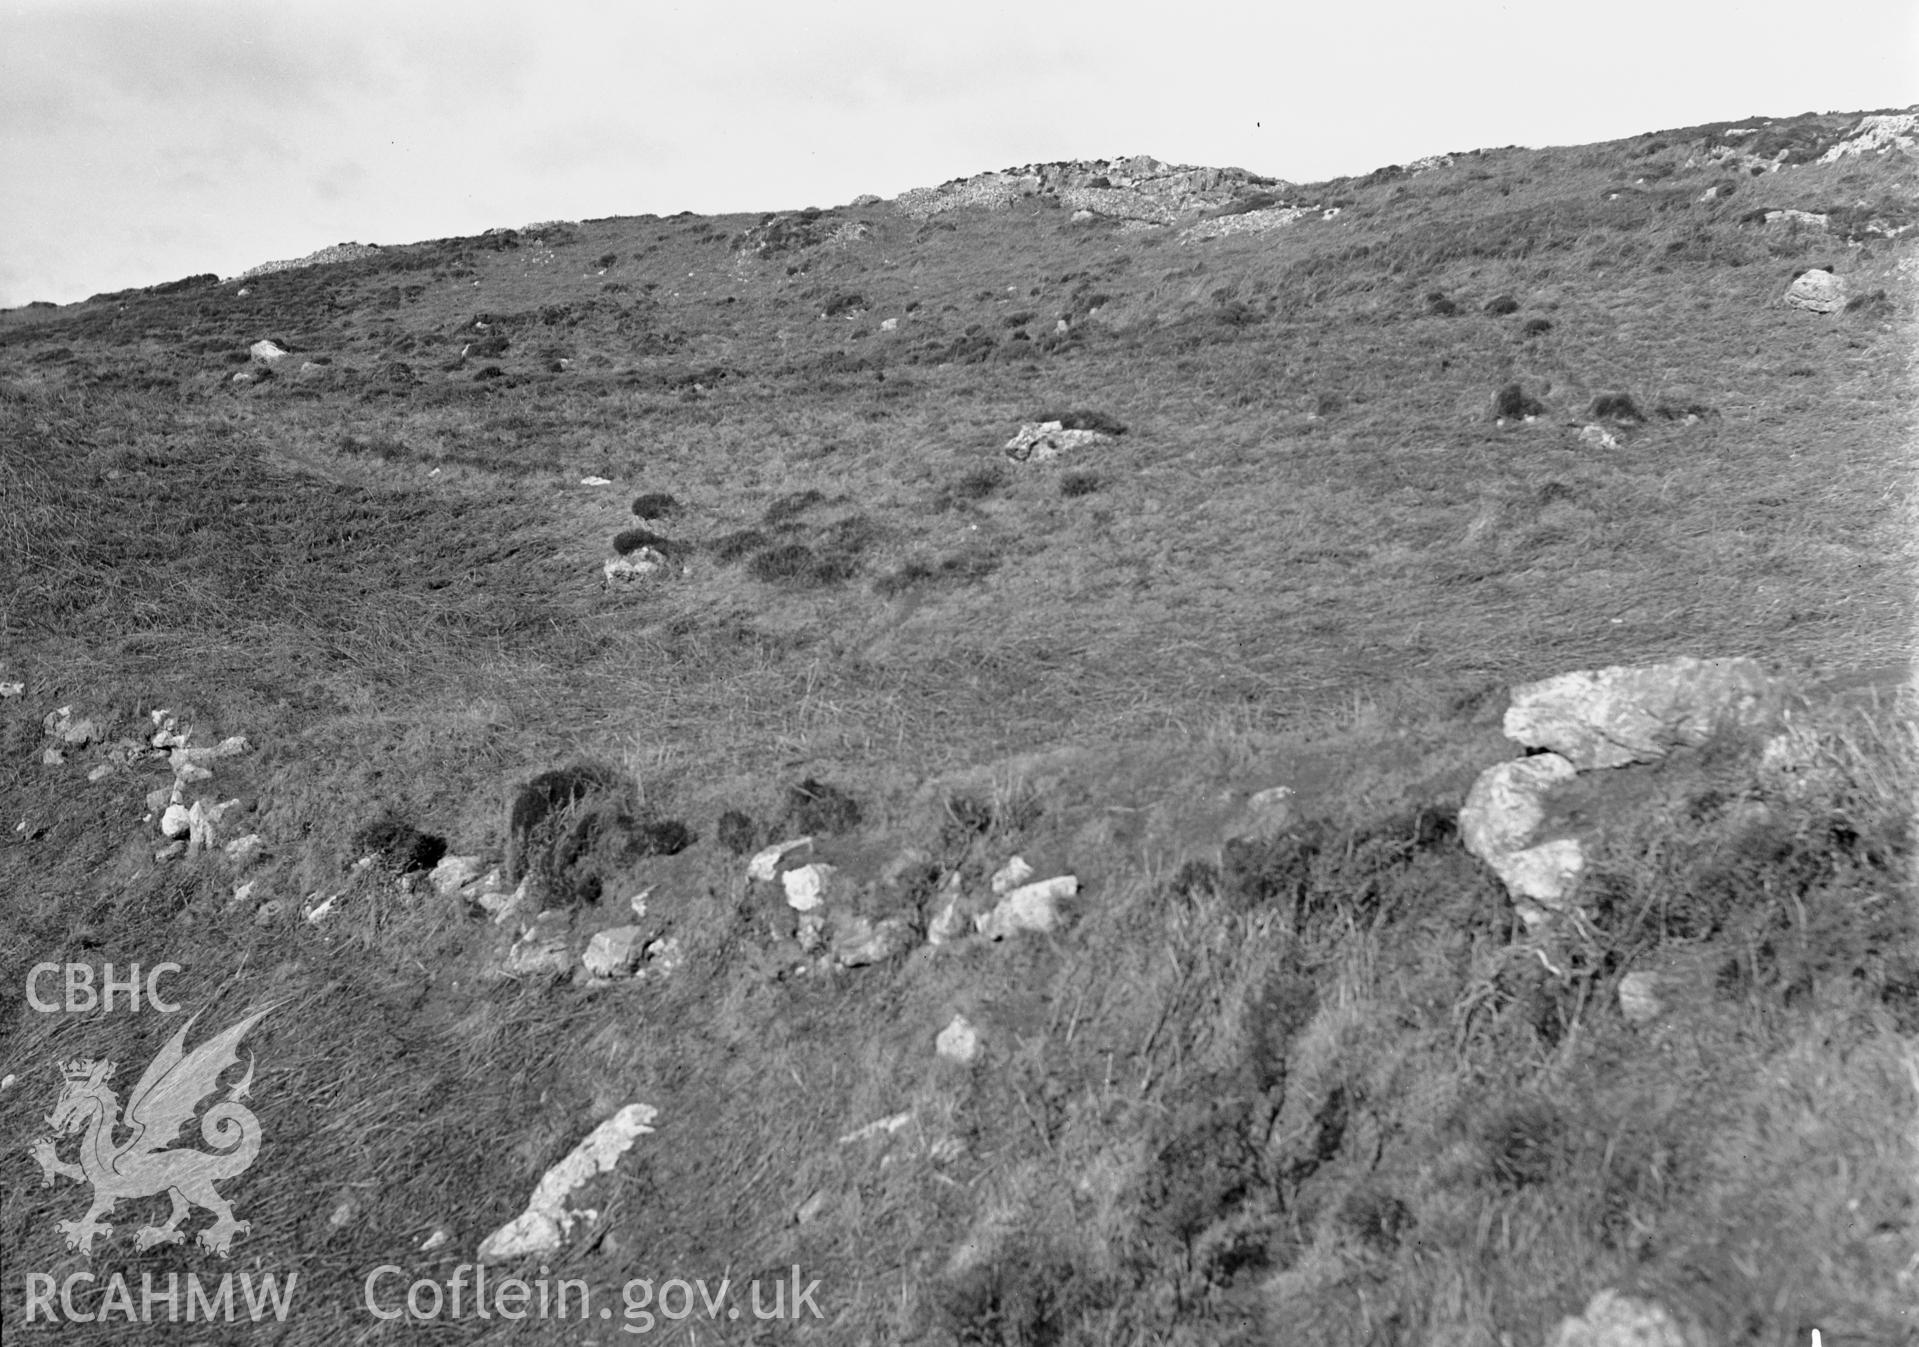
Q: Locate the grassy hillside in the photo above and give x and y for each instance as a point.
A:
(1321, 1088)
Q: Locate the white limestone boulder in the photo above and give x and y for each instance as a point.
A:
(1614, 716)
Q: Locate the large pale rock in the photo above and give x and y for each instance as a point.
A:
(1611, 717)
(1817, 292)
(1032, 907)
(543, 1227)
(1497, 823)
(267, 352)
(1613, 1320)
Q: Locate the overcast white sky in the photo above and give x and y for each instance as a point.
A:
(145, 140)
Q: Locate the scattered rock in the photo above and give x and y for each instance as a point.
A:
(101, 773)
(243, 849)
(950, 923)
(1614, 716)
(958, 1041)
(70, 733)
(1804, 218)
(544, 947)
(1011, 875)
(614, 953)
(499, 901)
(596, 481)
(640, 564)
(52, 757)
(807, 887)
(176, 821)
(454, 873)
(889, 324)
(1033, 907)
(1042, 441)
(543, 1227)
(765, 866)
(1502, 812)
(663, 956)
(1598, 437)
(859, 941)
(267, 352)
(1248, 222)
(1817, 291)
(11, 690)
(1613, 1320)
(1639, 997)
(1265, 815)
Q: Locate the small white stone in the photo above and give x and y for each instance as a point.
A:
(663, 956)
(950, 924)
(101, 773)
(806, 887)
(12, 690)
(765, 866)
(878, 1127)
(958, 1041)
(596, 481)
(177, 820)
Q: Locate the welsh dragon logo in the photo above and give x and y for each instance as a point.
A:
(146, 1164)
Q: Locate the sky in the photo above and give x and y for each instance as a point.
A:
(146, 140)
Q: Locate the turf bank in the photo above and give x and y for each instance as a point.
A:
(82, 1298)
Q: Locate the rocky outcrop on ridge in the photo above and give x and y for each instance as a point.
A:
(1138, 189)
(339, 252)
